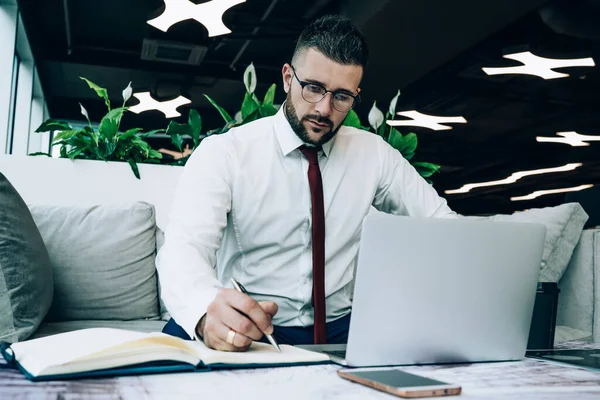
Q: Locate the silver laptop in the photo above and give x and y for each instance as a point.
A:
(431, 291)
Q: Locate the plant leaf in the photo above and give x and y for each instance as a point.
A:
(253, 116)
(134, 167)
(155, 154)
(129, 133)
(270, 96)
(75, 152)
(177, 140)
(116, 114)
(175, 128)
(221, 110)
(51, 125)
(383, 131)
(426, 169)
(406, 144)
(195, 123)
(108, 128)
(352, 120)
(268, 110)
(65, 135)
(410, 143)
(100, 91)
(248, 106)
(149, 133)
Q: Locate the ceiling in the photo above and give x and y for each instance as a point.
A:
(432, 50)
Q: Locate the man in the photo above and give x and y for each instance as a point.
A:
(280, 201)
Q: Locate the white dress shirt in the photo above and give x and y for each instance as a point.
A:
(243, 210)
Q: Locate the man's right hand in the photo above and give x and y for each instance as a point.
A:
(232, 310)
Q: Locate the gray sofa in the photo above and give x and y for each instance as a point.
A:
(103, 267)
(102, 228)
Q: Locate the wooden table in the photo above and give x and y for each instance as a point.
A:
(528, 379)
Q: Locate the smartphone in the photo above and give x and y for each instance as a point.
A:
(399, 383)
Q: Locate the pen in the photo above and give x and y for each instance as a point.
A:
(238, 286)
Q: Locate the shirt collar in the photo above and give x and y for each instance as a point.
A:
(287, 138)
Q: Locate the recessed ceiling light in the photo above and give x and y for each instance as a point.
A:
(553, 191)
(540, 66)
(571, 138)
(514, 177)
(147, 103)
(426, 121)
(209, 14)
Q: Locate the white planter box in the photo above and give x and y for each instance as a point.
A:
(60, 181)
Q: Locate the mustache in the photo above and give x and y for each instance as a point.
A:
(319, 119)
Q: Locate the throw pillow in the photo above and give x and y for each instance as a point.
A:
(103, 260)
(160, 240)
(564, 224)
(26, 283)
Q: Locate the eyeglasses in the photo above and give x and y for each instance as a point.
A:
(314, 93)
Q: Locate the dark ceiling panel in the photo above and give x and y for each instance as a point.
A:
(433, 50)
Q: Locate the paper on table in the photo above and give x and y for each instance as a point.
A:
(258, 353)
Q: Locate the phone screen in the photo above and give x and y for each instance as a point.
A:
(397, 378)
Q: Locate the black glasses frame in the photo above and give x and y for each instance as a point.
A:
(333, 93)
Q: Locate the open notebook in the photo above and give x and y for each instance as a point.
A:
(115, 352)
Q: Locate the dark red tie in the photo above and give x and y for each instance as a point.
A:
(318, 242)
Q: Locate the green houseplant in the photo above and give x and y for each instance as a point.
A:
(405, 144)
(252, 108)
(106, 142)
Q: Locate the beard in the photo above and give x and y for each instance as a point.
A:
(298, 124)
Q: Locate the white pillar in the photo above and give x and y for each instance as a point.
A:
(8, 33)
(37, 117)
(23, 109)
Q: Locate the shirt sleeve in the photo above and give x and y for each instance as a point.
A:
(186, 261)
(402, 191)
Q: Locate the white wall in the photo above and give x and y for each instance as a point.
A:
(52, 181)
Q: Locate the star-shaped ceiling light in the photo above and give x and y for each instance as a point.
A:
(209, 14)
(514, 177)
(539, 193)
(147, 103)
(426, 121)
(540, 66)
(571, 138)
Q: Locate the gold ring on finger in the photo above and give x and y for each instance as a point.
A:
(230, 336)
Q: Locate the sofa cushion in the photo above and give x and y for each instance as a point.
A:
(164, 313)
(53, 328)
(25, 270)
(576, 299)
(564, 224)
(103, 260)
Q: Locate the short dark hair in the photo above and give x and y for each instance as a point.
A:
(336, 37)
